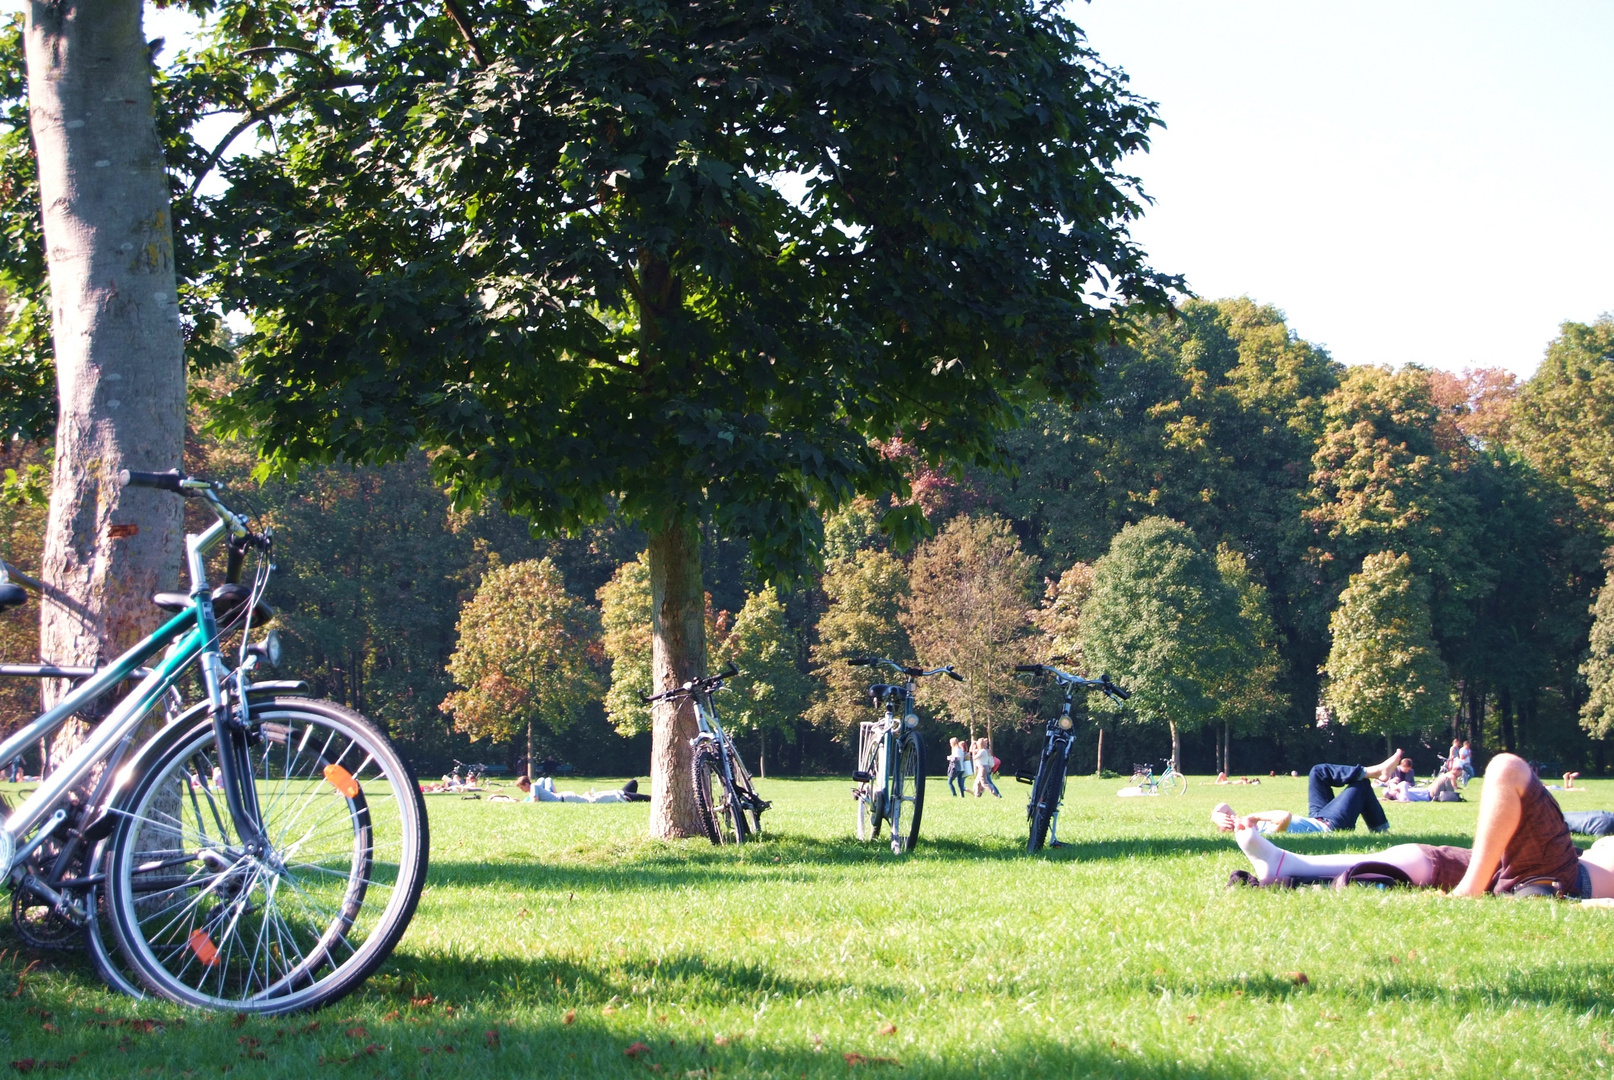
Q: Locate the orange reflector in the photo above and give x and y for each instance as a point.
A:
(203, 947)
(342, 780)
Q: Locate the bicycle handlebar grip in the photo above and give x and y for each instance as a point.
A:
(162, 481)
(729, 672)
(954, 675)
(1028, 667)
(858, 661)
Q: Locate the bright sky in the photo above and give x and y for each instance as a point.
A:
(1423, 182)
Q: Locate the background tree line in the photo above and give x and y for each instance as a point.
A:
(1239, 525)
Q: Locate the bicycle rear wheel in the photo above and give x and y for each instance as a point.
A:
(715, 798)
(908, 793)
(210, 919)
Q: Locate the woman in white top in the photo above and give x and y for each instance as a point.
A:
(957, 766)
(983, 768)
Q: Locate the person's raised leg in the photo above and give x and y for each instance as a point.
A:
(1501, 804)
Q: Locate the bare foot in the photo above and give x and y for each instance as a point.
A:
(1384, 768)
(1223, 817)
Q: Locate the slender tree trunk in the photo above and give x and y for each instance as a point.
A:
(1176, 747)
(762, 753)
(1504, 713)
(529, 750)
(1098, 767)
(120, 366)
(678, 654)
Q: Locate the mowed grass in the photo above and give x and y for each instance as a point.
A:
(553, 940)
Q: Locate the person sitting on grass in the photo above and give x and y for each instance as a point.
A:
(543, 790)
(1327, 812)
(1443, 788)
(1221, 779)
(1521, 844)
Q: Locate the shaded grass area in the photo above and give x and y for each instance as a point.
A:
(553, 939)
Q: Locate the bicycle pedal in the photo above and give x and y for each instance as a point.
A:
(1026, 777)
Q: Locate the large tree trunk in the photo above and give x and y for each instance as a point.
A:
(120, 366)
(678, 654)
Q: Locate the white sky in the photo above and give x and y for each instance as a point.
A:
(1420, 182)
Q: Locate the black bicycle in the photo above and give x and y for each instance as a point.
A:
(890, 772)
(723, 790)
(1048, 782)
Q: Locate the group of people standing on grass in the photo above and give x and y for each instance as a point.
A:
(968, 758)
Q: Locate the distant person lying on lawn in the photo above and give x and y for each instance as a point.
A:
(1442, 787)
(1328, 812)
(543, 790)
(1521, 841)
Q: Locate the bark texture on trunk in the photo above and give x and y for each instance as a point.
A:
(1176, 747)
(677, 654)
(120, 365)
(1098, 767)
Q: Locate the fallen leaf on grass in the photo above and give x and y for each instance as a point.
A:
(492, 1038)
(422, 1002)
(609, 1010)
(888, 1028)
(357, 1032)
(571, 1015)
(636, 1050)
(724, 1040)
(1298, 977)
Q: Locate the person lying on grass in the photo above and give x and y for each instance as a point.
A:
(543, 790)
(1521, 843)
(1327, 812)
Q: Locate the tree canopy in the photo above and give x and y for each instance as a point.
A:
(564, 258)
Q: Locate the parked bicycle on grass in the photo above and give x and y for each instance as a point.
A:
(1048, 782)
(890, 774)
(1171, 782)
(724, 794)
(261, 853)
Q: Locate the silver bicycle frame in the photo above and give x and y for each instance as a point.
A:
(129, 712)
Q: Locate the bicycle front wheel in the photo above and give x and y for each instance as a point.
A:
(715, 798)
(1045, 792)
(1174, 783)
(908, 793)
(210, 919)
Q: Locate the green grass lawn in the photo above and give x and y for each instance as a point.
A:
(552, 938)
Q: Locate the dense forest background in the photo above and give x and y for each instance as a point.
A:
(1218, 433)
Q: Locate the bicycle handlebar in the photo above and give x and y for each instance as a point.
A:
(1114, 690)
(705, 685)
(911, 672)
(194, 487)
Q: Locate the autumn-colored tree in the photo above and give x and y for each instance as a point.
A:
(1163, 623)
(1597, 714)
(969, 590)
(1385, 675)
(1060, 620)
(866, 590)
(771, 693)
(625, 618)
(523, 655)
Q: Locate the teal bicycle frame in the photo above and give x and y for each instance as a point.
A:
(188, 635)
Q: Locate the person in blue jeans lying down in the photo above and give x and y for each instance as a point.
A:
(1328, 810)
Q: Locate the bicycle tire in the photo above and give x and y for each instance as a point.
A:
(868, 819)
(1044, 799)
(716, 800)
(910, 774)
(205, 922)
(749, 799)
(1174, 783)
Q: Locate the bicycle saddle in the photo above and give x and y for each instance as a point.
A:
(226, 600)
(12, 595)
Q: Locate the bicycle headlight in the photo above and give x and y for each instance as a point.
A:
(1066, 723)
(911, 720)
(271, 648)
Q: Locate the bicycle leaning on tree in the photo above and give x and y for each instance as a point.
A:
(724, 794)
(260, 853)
(1048, 782)
(890, 776)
